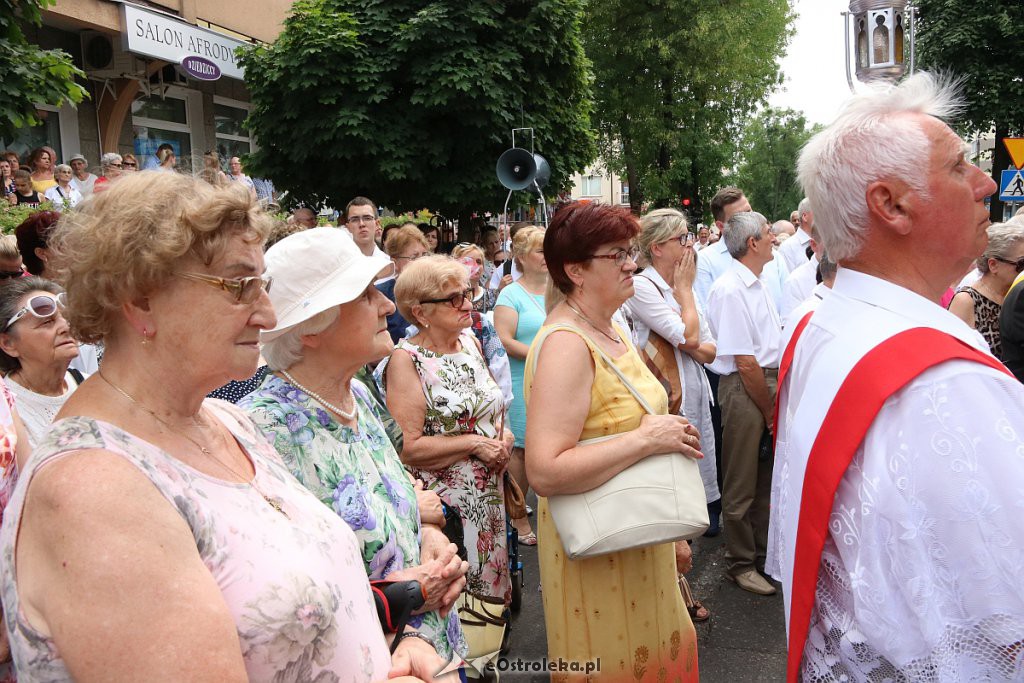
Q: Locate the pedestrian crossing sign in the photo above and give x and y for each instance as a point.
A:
(1011, 186)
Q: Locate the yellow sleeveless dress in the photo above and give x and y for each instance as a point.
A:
(624, 608)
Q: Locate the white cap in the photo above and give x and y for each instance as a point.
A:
(314, 270)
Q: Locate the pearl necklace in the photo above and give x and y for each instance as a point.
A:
(587, 321)
(346, 415)
(272, 502)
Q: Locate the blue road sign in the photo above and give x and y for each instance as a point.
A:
(1011, 186)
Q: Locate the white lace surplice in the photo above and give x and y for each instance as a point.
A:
(922, 573)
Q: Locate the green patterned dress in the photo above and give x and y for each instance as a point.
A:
(358, 475)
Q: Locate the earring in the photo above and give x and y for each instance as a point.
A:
(145, 336)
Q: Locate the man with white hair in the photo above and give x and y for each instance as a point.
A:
(793, 251)
(782, 227)
(746, 326)
(896, 530)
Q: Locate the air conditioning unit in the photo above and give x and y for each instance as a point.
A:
(103, 58)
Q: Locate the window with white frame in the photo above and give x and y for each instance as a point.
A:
(591, 186)
(233, 139)
(158, 120)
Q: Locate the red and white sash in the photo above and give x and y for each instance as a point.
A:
(884, 367)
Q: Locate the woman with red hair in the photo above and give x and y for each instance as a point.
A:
(623, 608)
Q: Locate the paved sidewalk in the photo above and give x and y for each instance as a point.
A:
(745, 639)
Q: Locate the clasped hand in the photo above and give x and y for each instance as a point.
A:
(670, 434)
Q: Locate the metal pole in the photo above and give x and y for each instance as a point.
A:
(846, 36)
(913, 31)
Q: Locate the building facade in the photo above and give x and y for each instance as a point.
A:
(157, 72)
(599, 185)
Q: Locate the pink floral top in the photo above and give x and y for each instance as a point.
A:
(295, 583)
(8, 444)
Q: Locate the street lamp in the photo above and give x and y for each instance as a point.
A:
(883, 40)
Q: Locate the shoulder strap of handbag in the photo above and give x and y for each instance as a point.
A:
(652, 282)
(539, 342)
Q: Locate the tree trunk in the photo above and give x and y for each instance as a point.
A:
(636, 197)
(1000, 161)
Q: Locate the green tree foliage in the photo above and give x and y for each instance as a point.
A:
(674, 82)
(30, 76)
(769, 148)
(979, 42)
(411, 102)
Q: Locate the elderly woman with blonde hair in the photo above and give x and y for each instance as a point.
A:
(452, 415)
(404, 245)
(157, 520)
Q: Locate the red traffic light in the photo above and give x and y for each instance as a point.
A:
(686, 202)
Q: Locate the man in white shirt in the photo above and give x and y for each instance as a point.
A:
(800, 282)
(703, 236)
(714, 260)
(793, 251)
(362, 223)
(746, 326)
(82, 179)
(896, 517)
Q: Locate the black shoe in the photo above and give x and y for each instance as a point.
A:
(714, 514)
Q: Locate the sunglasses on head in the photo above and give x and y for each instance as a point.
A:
(41, 306)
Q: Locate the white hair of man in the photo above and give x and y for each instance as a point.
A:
(740, 228)
(804, 207)
(1003, 239)
(783, 227)
(872, 139)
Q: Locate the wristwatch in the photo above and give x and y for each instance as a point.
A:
(417, 634)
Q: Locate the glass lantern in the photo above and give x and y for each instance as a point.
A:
(883, 40)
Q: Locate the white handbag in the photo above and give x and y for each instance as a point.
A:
(657, 500)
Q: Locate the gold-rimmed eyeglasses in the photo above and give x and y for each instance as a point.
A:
(245, 290)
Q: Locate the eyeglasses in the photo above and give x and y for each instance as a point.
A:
(8, 274)
(130, 164)
(685, 239)
(114, 165)
(245, 289)
(410, 258)
(455, 300)
(1018, 264)
(361, 219)
(619, 256)
(41, 306)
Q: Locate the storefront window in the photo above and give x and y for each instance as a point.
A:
(156, 121)
(45, 135)
(232, 137)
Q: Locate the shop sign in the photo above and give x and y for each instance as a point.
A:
(200, 68)
(158, 35)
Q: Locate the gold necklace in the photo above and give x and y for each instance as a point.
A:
(276, 504)
(587, 321)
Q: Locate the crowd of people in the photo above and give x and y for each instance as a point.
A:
(224, 435)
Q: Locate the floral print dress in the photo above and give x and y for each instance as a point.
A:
(294, 582)
(462, 398)
(357, 474)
